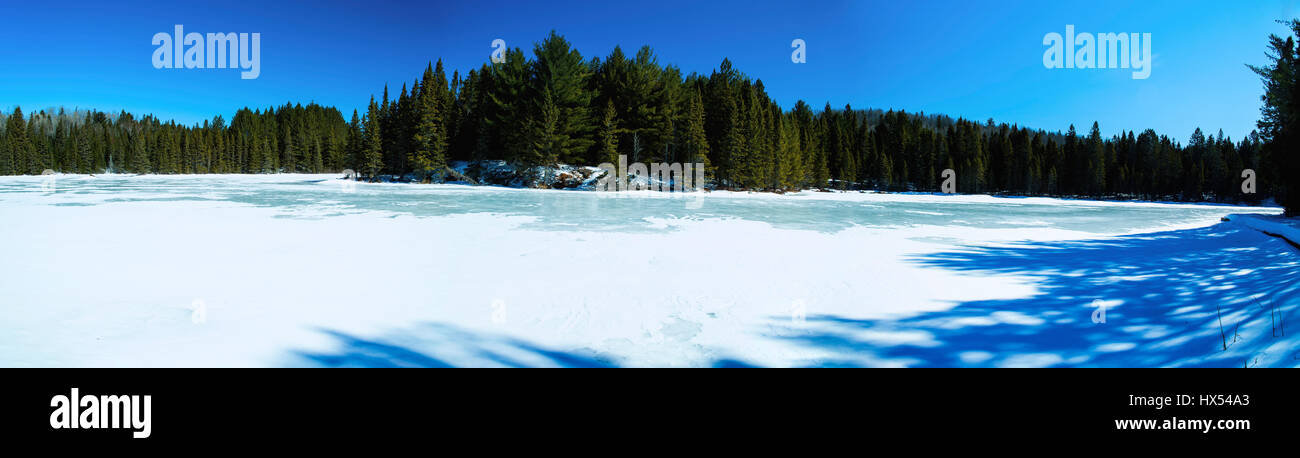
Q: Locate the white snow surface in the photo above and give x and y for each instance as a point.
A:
(310, 270)
(1275, 225)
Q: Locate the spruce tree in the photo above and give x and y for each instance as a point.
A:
(606, 146)
(372, 143)
(83, 159)
(695, 145)
(1096, 162)
(16, 131)
(509, 100)
(560, 79)
(6, 156)
(8, 145)
(289, 151)
(789, 162)
(139, 153)
(429, 142)
(546, 143)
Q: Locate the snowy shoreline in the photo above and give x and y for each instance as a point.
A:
(587, 184)
(1276, 226)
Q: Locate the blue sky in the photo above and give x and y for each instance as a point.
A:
(973, 59)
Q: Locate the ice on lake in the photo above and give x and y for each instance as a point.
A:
(310, 270)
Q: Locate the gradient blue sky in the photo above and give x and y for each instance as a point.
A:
(963, 58)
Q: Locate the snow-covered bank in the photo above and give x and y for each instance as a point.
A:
(307, 270)
(1274, 225)
(585, 178)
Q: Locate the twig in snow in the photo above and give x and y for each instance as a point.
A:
(1272, 313)
(1281, 321)
(1219, 308)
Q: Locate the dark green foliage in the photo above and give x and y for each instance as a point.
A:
(372, 147)
(1280, 116)
(429, 108)
(562, 130)
(290, 139)
(605, 149)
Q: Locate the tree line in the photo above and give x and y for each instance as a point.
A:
(555, 106)
(291, 138)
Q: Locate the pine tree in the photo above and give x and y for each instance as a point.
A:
(790, 171)
(886, 168)
(546, 142)
(6, 156)
(429, 142)
(695, 144)
(1074, 177)
(84, 163)
(289, 151)
(606, 146)
(37, 147)
(372, 143)
(1096, 162)
(16, 140)
(1279, 123)
(509, 100)
(560, 84)
(139, 153)
(270, 160)
(19, 147)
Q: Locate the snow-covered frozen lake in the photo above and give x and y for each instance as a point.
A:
(308, 270)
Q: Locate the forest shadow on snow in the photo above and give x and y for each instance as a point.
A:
(1165, 295)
